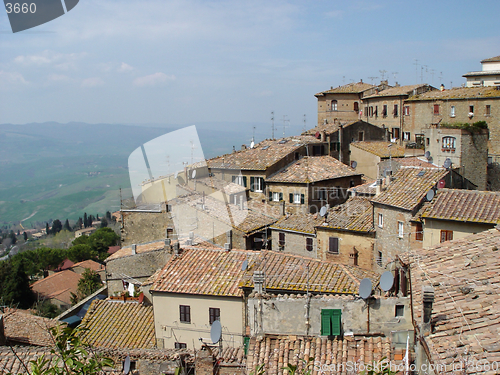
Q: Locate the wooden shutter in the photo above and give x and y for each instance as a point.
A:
(290, 196)
(309, 244)
(331, 324)
(233, 178)
(282, 239)
(333, 245)
(252, 182)
(270, 195)
(336, 323)
(245, 181)
(326, 327)
(281, 196)
(302, 198)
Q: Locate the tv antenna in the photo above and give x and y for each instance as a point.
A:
(126, 365)
(416, 70)
(386, 281)
(304, 129)
(272, 124)
(382, 74)
(192, 151)
(394, 74)
(447, 163)
(253, 134)
(322, 211)
(440, 76)
(285, 125)
(365, 288)
(216, 332)
(372, 78)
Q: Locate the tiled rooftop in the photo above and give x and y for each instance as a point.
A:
(458, 93)
(221, 185)
(275, 352)
(288, 273)
(113, 324)
(263, 155)
(329, 128)
(415, 161)
(23, 327)
(312, 169)
(59, 285)
(465, 206)
(350, 88)
(409, 187)
(140, 249)
(94, 266)
(491, 59)
(381, 148)
(465, 275)
(356, 214)
(299, 222)
(400, 91)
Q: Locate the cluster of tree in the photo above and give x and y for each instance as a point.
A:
(88, 284)
(11, 236)
(18, 271)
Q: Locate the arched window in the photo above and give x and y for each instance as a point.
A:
(334, 105)
(448, 143)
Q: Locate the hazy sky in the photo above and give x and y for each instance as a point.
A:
(183, 62)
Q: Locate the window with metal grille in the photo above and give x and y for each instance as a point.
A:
(379, 259)
(333, 245)
(331, 322)
(213, 314)
(309, 244)
(400, 310)
(185, 313)
(448, 143)
(446, 235)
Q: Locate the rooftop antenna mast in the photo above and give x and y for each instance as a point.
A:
(416, 70)
(285, 125)
(372, 78)
(432, 76)
(253, 134)
(192, 151)
(272, 124)
(305, 122)
(394, 74)
(382, 73)
(440, 77)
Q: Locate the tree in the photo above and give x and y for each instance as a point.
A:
(67, 226)
(102, 239)
(25, 235)
(88, 284)
(79, 223)
(13, 237)
(56, 226)
(85, 220)
(104, 222)
(15, 284)
(81, 252)
(47, 229)
(108, 216)
(47, 309)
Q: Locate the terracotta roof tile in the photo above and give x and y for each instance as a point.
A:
(491, 59)
(90, 264)
(350, 88)
(312, 169)
(113, 324)
(21, 326)
(275, 352)
(221, 185)
(140, 249)
(299, 222)
(415, 161)
(466, 311)
(465, 206)
(401, 91)
(381, 148)
(409, 187)
(356, 214)
(330, 127)
(458, 93)
(58, 285)
(262, 156)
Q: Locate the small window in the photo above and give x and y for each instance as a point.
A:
(379, 259)
(170, 233)
(180, 345)
(376, 111)
(281, 240)
(427, 141)
(406, 110)
(436, 109)
(395, 133)
(352, 183)
(257, 184)
(384, 110)
(400, 310)
(331, 322)
(401, 227)
(334, 105)
(333, 245)
(168, 208)
(309, 244)
(371, 111)
(446, 235)
(276, 197)
(419, 232)
(213, 314)
(185, 313)
(361, 136)
(395, 110)
(452, 111)
(406, 136)
(356, 107)
(487, 111)
(296, 198)
(380, 220)
(471, 109)
(448, 143)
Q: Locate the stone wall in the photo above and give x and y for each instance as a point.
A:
(288, 314)
(295, 243)
(144, 226)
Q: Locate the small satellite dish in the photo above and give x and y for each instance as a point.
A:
(244, 266)
(193, 175)
(176, 174)
(365, 288)
(354, 164)
(427, 154)
(126, 365)
(447, 163)
(386, 281)
(430, 194)
(322, 211)
(252, 144)
(216, 331)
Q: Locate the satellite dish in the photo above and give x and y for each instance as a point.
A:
(386, 281)
(193, 175)
(216, 332)
(427, 154)
(252, 144)
(447, 163)
(430, 195)
(244, 266)
(365, 288)
(176, 174)
(322, 211)
(126, 365)
(354, 164)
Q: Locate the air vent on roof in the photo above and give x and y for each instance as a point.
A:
(282, 142)
(420, 174)
(265, 147)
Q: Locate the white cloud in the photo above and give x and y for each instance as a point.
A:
(64, 61)
(59, 78)
(125, 68)
(153, 79)
(92, 82)
(11, 79)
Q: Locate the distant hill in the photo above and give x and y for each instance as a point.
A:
(58, 171)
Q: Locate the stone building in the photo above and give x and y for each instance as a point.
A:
(296, 234)
(338, 135)
(488, 76)
(466, 150)
(369, 156)
(309, 183)
(386, 109)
